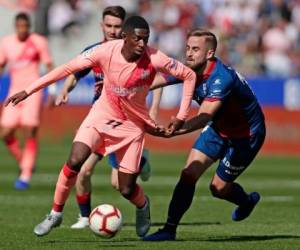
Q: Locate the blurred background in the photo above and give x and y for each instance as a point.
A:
(260, 38)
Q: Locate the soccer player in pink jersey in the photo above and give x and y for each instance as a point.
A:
(112, 20)
(119, 119)
(23, 52)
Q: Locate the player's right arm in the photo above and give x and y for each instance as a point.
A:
(81, 62)
(69, 85)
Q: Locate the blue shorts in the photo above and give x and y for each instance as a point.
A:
(235, 154)
(112, 160)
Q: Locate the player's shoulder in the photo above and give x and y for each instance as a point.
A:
(221, 75)
(8, 38)
(91, 46)
(38, 38)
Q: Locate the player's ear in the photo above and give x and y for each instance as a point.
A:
(123, 35)
(210, 54)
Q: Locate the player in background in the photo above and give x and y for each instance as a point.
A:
(233, 131)
(23, 52)
(112, 20)
(119, 119)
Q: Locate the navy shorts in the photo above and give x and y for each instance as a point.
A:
(235, 155)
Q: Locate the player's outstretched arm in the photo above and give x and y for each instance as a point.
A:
(69, 85)
(206, 112)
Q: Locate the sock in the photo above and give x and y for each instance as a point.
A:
(13, 147)
(181, 200)
(28, 159)
(66, 180)
(237, 195)
(84, 203)
(138, 198)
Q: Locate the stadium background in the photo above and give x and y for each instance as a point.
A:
(258, 37)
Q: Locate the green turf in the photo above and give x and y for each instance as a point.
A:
(207, 225)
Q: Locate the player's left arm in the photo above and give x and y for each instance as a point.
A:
(219, 89)
(157, 93)
(206, 112)
(175, 68)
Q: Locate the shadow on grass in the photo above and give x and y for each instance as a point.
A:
(158, 224)
(244, 238)
(101, 242)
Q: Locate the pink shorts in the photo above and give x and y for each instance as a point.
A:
(26, 113)
(124, 138)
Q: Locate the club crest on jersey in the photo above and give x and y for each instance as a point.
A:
(204, 88)
(217, 81)
(145, 74)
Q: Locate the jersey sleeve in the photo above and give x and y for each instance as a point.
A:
(170, 66)
(80, 74)
(81, 62)
(220, 87)
(44, 51)
(3, 57)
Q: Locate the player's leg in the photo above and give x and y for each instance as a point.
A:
(183, 194)
(133, 192)
(237, 158)
(205, 150)
(129, 159)
(29, 120)
(11, 142)
(9, 122)
(145, 166)
(113, 162)
(85, 139)
(83, 190)
(28, 160)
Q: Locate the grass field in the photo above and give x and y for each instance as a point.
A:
(207, 225)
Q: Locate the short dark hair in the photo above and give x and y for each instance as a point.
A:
(135, 22)
(22, 16)
(116, 11)
(210, 38)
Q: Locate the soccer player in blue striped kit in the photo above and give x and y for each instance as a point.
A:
(233, 131)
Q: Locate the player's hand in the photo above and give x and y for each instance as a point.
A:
(16, 98)
(159, 131)
(62, 98)
(174, 125)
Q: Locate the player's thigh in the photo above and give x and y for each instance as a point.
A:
(89, 136)
(196, 164)
(129, 156)
(238, 156)
(31, 111)
(10, 117)
(208, 147)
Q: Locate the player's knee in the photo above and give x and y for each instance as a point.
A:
(218, 191)
(188, 176)
(126, 191)
(75, 162)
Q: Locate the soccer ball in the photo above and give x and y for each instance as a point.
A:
(105, 220)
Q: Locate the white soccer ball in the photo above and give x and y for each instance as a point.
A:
(105, 220)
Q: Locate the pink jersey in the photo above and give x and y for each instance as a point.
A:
(126, 84)
(23, 59)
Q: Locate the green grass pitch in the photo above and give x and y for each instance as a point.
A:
(274, 224)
